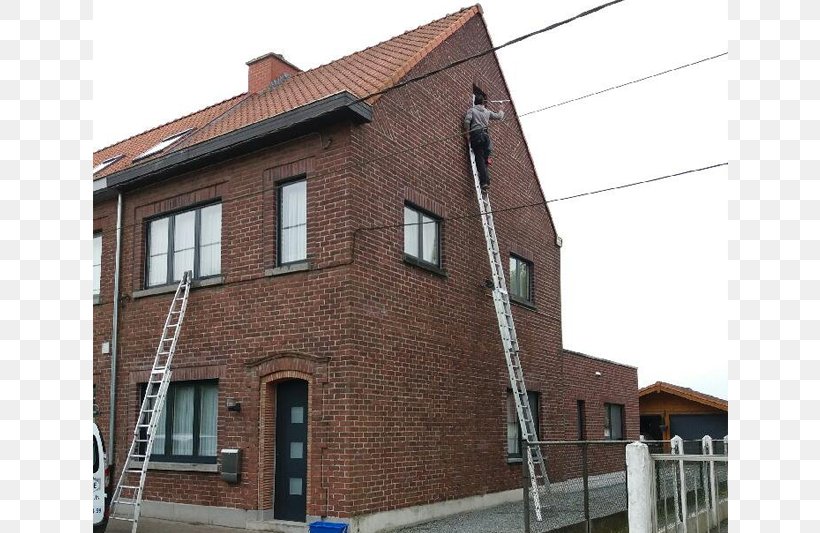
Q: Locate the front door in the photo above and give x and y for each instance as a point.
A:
(290, 483)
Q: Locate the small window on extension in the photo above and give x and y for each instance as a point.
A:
(163, 144)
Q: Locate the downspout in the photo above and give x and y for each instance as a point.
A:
(112, 402)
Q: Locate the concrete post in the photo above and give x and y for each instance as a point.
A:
(680, 492)
(639, 487)
(708, 449)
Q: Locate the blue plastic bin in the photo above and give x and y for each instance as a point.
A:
(328, 527)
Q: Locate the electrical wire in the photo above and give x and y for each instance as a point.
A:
(541, 204)
(490, 50)
(475, 215)
(623, 84)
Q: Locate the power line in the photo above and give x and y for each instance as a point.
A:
(623, 84)
(541, 204)
(491, 50)
(473, 215)
(362, 163)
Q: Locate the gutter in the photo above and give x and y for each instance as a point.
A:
(333, 108)
(114, 337)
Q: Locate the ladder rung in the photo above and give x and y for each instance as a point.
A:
(129, 487)
(122, 518)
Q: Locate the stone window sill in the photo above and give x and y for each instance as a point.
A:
(514, 460)
(172, 287)
(301, 266)
(523, 303)
(96, 299)
(181, 467)
(410, 260)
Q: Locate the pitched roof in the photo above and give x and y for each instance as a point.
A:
(361, 73)
(685, 392)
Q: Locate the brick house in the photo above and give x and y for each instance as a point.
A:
(360, 357)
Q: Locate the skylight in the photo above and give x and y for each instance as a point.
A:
(106, 163)
(163, 144)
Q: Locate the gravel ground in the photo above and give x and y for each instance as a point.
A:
(563, 509)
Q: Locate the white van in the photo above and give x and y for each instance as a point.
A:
(101, 485)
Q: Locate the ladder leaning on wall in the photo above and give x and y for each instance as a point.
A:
(125, 503)
(535, 460)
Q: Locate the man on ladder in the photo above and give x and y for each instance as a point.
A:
(476, 123)
(535, 463)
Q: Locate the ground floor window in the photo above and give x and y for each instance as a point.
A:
(613, 421)
(513, 427)
(186, 431)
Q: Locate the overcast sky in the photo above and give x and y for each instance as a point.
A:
(643, 269)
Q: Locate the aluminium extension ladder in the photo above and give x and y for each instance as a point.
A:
(125, 503)
(535, 460)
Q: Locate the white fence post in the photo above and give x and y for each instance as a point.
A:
(708, 449)
(677, 448)
(640, 488)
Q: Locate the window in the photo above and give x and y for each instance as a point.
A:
(97, 264)
(186, 431)
(513, 427)
(163, 144)
(106, 163)
(613, 421)
(520, 279)
(582, 420)
(421, 237)
(191, 240)
(292, 222)
(96, 454)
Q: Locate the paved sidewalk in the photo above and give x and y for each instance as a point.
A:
(152, 525)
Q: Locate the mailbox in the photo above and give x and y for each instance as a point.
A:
(231, 463)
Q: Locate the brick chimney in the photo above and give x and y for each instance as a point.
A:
(263, 70)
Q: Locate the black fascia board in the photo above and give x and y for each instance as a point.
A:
(287, 125)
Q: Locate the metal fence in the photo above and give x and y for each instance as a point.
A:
(691, 490)
(588, 489)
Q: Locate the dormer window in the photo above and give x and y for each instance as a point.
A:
(163, 144)
(106, 163)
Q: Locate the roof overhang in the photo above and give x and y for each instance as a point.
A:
(331, 109)
(662, 387)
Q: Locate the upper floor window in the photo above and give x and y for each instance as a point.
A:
(292, 222)
(191, 240)
(520, 279)
(421, 237)
(613, 421)
(163, 144)
(97, 263)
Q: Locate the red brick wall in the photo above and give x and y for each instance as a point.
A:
(407, 376)
(250, 327)
(617, 384)
(431, 374)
